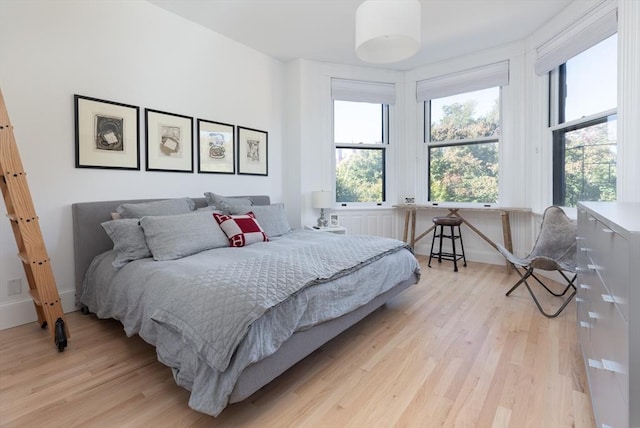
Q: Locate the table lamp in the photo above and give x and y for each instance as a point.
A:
(322, 199)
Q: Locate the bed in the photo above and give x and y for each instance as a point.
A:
(157, 299)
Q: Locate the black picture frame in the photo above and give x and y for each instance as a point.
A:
(253, 151)
(107, 134)
(216, 147)
(169, 141)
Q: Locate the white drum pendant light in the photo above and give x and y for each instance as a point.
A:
(387, 30)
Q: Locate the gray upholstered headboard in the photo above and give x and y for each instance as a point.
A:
(90, 239)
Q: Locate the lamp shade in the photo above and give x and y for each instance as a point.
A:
(387, 30)
(321, 199)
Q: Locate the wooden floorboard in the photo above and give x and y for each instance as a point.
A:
(451, 351)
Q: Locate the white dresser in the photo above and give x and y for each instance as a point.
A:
(609, 309)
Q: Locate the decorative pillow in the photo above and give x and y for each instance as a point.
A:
(272, 218)
(128, 239)
(176, 236)
(209, 209)
(241, 229)
(156, 208)
(224, 203)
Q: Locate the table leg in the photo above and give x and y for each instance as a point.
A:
(506, 231)
(407, 215)
(413, 228)
(506, 235)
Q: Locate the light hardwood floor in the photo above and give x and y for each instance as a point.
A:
(450, 351)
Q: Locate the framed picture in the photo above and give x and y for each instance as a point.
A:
(253, 153)
(216, 147)
(333, 220)
(169, 141)
(107, 134)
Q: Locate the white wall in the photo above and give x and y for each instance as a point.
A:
(130, 52)
(406, 163)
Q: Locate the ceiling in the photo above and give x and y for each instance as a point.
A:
(324, 30)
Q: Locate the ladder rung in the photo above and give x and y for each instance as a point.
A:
(35, 295)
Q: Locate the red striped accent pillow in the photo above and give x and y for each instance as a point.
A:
(241, 229)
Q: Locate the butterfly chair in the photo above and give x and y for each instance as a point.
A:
(555, 249)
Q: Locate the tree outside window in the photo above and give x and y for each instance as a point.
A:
(463, 147)
(360, 136)
(584, 129)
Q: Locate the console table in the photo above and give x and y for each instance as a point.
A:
(411, 211)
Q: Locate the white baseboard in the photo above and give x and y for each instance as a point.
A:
(20, 312)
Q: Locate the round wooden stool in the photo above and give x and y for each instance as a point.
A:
(439, 232)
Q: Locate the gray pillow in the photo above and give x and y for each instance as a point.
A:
(176, 236)
(225, 203)
(128, 239)
(164, 207)
(272, 218)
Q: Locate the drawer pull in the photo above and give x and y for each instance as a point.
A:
(605, 230)
(612, 366)
(607, 365)
(608, 298)
(581, 300)
(592, 267)
(585, 324)
(596, 364)
(585, 286)
(584, 249)
(593, 315)
(592, 218)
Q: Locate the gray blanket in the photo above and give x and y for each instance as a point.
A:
(216, 311)
(134, 294)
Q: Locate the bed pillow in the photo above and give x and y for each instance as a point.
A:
(128, 239)
(225, 203)
(176, 236)
(272, 218)
(156, 208)
(241, 229)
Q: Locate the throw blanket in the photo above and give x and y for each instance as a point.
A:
(215, 314)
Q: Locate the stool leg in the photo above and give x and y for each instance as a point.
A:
(453, 245)
(433, 240)
(440, 248)
(464, 259)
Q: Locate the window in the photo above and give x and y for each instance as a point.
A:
(584, 125)
(463, 132)
(361, 140)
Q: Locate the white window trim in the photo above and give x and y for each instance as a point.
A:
(474, 79)
(427, 143)
(595, 25)
(375, 93)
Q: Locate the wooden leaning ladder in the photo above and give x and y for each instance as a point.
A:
(26, 229)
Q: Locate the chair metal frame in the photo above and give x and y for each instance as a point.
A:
(558, 255)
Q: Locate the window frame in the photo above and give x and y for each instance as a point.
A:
(558, 127)
(384, 146)
(428, 144)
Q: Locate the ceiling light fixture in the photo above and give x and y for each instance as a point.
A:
(387, 30)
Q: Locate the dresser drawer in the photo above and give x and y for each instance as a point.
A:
(610, 258)
(609, 406)
(584, 325)
(609, 342)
